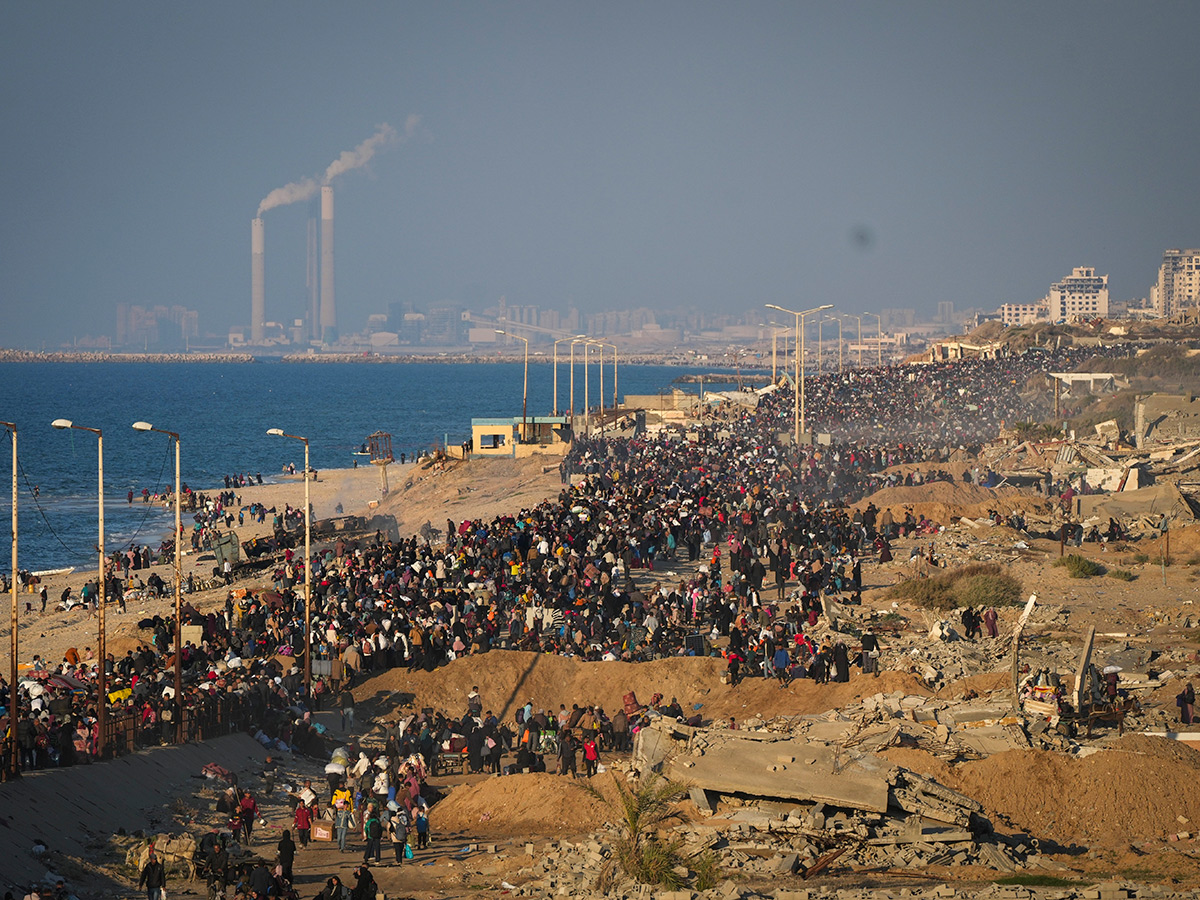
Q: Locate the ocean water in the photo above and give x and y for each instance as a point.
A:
(222, 412)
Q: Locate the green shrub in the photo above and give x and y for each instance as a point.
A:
(1079, 566)
(1000, 589)
(1141, 558)
(1194, 559)
(1121, 574)
(707, 866)
(976, 584)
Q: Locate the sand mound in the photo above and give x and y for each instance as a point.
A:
(476, 489)
(1132, 792)
(524, 804)
(510, 678)
(942, 500)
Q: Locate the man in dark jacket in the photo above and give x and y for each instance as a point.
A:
(153, 877)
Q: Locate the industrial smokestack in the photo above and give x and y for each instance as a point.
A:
(328, 310)
(258, 304)
(313, 281)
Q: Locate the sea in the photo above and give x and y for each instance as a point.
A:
(221, 412)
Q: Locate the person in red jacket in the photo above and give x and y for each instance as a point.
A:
(591, 757)
(247, 813)
(303, 822)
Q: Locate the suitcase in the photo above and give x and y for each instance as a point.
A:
(631, 704)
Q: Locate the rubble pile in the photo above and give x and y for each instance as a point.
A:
(766, 840)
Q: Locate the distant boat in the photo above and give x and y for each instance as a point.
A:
(46, 573)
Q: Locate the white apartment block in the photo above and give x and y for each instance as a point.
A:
(1178, 285)
(1022, 313)
(1081, 295)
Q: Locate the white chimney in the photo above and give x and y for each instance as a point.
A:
(258, 301)
(328, 310)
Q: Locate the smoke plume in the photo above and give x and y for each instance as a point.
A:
(306, 188)
(295, 192)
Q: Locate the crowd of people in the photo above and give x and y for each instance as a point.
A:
(766, 525)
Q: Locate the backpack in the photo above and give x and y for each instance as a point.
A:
(520, 715)
(374, 828)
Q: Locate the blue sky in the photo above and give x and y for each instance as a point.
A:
(716, 156)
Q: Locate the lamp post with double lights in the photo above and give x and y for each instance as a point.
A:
(178, 542)
(579, 340)
(878, 337)
(853, 316)
(601, 345)
(587, 400)
(525, 389)
(279, 432)
(799, 411)
(777, 330)
(838, 322)
(14, 761)
(102, 675)
(556, 343)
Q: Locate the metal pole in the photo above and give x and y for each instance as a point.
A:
(587, 403)
(572, 379)
(796, 388)
(803, 379)
(307, 585)
(878, 336)
(614, 403)
(600, 346)
(14, 759)
(556, 343)
(102, 708)
(820, 343)
(178, 604)
(146, 426)
(102, 675)
(525, 397)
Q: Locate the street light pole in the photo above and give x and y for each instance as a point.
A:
(776, 330)
(178, 542)
(524, 390)
(601, 345)
(102, 675)
(839, 325)
(803, 369)
(878, 337)
(587, 403)
(279, 432)
(556, 343)
(798, 400)
(14, 760)
(853, 316)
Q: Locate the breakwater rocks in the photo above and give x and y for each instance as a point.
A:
(98, 356)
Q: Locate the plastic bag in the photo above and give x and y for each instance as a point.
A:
(408, 854)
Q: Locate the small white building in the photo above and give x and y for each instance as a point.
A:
(1081, 295)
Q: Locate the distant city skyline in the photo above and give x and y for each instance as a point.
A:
(672, 156)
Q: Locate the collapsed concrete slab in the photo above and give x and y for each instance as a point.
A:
(765, 765)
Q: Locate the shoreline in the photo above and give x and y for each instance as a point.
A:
(645, 358)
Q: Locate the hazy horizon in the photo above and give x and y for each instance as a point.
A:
(668, 155)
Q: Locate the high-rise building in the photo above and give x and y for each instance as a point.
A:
(1081, 295)
(1178, 285)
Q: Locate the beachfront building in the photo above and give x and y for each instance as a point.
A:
(1178, 285)
(1022, 313)
(517, 436)
(1081, 295)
